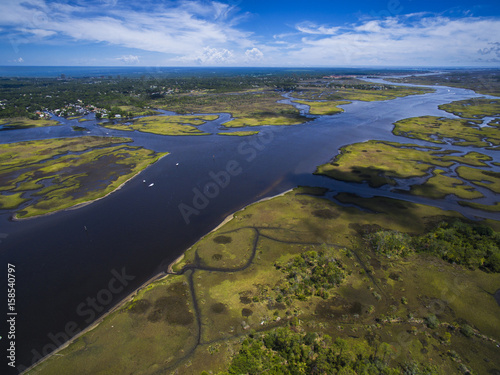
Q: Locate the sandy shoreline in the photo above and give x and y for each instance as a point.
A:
(157, 277)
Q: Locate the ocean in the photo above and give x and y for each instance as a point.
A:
(139, 71)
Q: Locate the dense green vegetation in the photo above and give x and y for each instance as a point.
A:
(285, 352)
(310, 273)
(128, 96)
(22, 97)
(471, 245)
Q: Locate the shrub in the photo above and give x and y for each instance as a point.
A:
(467, 330)
(391, 243)
(432, 321)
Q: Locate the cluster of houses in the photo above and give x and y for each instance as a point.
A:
(42, 115)
(79, 109)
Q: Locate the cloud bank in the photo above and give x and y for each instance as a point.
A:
(195, 32)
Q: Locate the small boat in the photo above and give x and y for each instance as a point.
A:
(151, 184)
(177, 164)
(144, 181)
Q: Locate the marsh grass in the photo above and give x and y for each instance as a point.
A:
(379, 163)
(323, 108)
(484, 178)
(240, 133)
(166, 125)
(439, 186)
(473, 108)
(25, 123)
(248, 109)
(461, 132)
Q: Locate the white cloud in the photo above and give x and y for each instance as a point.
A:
(41, 33)
(371, 26)
(312, 28)
(403, 41)
(254, 54)
(177, 30)
(19, 60)
(214, 56)
(129, 59)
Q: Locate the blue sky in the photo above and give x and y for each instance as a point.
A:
(410, 33)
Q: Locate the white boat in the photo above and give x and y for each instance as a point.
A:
(151, 184)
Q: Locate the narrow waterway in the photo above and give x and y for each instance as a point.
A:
(66, 262)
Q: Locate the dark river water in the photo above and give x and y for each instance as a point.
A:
(67, 275)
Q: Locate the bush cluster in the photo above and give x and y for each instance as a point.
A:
(311, 273)
(471, 245)
(283, 351)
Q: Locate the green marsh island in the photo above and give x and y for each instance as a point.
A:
(40, 177)
(311, 281)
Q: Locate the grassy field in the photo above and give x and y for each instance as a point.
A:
(165, 125)
(25, 123)
(61, 173)
(248, 109)
(236, 274)
(323, 108)
(438, 129)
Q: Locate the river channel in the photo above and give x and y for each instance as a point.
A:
(66, 260)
